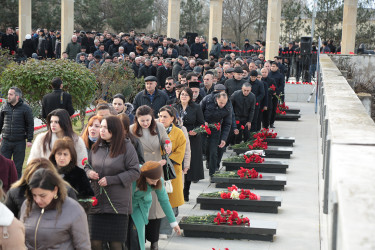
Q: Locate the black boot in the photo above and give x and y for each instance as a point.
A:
(154, 246)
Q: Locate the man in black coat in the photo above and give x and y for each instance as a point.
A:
(8, 41)
(58, 99)
(267, 108)
(257, 89)
(279, 84)
(196, 49)
(163, 72)
(16, 126)
(145, 70)
(151, 96)
(170, 88)
(216, 109)
(243, 102)
(236, 82)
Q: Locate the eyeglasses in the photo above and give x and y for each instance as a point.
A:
(183, 94)
(168, 83)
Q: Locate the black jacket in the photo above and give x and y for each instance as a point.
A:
(113, 48)
(233, 85)
(77, 178)
(144, 71)
(269, 93)
(28, 47)
(243, 106)
(17, 122)
(257, 89)
(197, 48)
(192, 116)
(171, 95)
(177, 67)
(279, 81)
(135, 67)
(142, 98)
(161, 74)
(58, 99)
(213, 114)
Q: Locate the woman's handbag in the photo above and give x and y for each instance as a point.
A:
(168, 186)
(168, 168)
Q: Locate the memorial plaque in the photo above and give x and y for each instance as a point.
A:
(268, 166)
(265, 183)
(258, 230)
(266, 204)
(292, 111)
(287, 117)
(270, 152)
(280, 141)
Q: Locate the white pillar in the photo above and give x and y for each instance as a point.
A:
(273, 29)
(173, 29)
(349, 26)
(216, 21)
(24, 19)
(67, 22)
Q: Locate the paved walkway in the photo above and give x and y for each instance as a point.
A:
(298, 218)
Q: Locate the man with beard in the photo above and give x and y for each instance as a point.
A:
(267, 109)
(279, 85)
(8, 41)
(236, 83)
(257, 89)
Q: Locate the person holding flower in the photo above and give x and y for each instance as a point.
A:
(168, 117)
(192, 117)
(150, 180)
(52, 220)
(148, 131)
(112, 166)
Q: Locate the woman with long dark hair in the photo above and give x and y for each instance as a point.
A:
(58, 126)
(146, 129)
(52, 219)
(113, 166)
(192, 117)
(122, 107)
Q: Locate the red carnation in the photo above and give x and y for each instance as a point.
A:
(94, 201)
(242, 127)
(237, 122)
(167, 141)
(84, 161)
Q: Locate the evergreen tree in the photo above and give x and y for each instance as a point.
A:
(89, 14)
(292, 13)
(192, 17)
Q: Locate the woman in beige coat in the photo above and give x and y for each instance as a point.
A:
(146, 129)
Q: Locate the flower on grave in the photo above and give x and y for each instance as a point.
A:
(248, 173)
(234, 195)
(265, 133)
(258, 144)
(229, 217)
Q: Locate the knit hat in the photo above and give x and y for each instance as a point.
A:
(152, 170)
(28, 36)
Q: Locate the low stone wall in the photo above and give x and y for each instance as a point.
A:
(348, 148)
(299, 92)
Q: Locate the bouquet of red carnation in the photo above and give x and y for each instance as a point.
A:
(265, 133)
(283, 106)
(229, 217)
(272, 87)
(280, 112)
(258, 144)
(242, 194)
(253, 158)
(248, 173)
(207, 128)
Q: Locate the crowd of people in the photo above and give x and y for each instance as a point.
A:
(122, 155)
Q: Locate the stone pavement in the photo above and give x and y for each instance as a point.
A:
(298, 218)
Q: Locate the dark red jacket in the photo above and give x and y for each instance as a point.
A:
(8, 172)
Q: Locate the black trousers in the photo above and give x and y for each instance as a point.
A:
(153, 230)
(212, 147)
(255, 120)
(266, 118)
(15, 149)
(244, 134)
(132, 242)
(272, 113)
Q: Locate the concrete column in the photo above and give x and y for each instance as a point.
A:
(273, 29)
(24, 19)
(349, 26)
(67, 22)
(173, 29)
(216, 21)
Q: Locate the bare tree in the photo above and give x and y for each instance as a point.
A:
(161, 16)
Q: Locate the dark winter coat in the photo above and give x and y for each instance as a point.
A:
(213, 114)
(269, 92)
(257, 88)
(120, 172)
(196, 48)
(17, 122)
(136, 67)
(8, 42)
(233, 85)
(279, 81)
(243, 106)
(142, 98)
(162, 74)
(216, 50)
(183, 50)
(177, 67)
(58, 99)
(77, 178)
(144, 71)
(8, 172)
(28, 47)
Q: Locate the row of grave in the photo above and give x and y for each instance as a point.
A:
(280, 148)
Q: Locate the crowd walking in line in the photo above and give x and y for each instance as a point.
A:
(121, 182)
